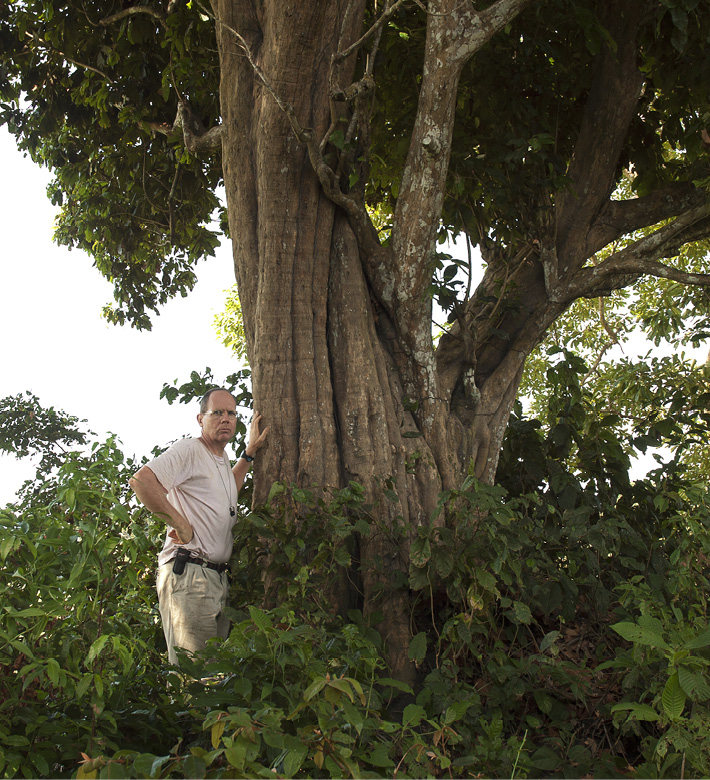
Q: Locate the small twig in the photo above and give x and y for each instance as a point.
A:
(470, 267)
(68, 58)
(132, 11)
(610, 331)
(386, 14)
(171, 197)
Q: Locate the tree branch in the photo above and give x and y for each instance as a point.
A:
(642, 258)
(197, 139)
(37, 40)
(132, 11)
(385, 16)
(453, 36)
(614, 93)
(481, 26)
(620, 217)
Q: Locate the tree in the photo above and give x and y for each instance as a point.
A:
(349, 136)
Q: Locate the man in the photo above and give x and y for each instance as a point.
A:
(193, 488)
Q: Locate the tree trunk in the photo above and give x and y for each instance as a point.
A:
(343, 373)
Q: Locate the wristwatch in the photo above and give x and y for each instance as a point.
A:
(247, 458)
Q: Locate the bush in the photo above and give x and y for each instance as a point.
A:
(559, 629)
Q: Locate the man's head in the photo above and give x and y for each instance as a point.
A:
(206, 397)
(218, 416)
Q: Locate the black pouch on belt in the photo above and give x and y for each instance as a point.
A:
(181, 558)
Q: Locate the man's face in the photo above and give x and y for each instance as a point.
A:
(219, 427)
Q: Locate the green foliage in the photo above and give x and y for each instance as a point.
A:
(92, 93)
(559, 625)
(79, 630)
(229, 325)
(82, 98)
(27, 428)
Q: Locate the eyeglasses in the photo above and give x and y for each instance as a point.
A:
(222, 412)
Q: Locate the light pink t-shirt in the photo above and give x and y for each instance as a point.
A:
(202, 487)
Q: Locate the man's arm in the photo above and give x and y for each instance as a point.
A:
(256, 440)
(155, 498)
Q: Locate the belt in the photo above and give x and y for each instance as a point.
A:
(219, 567)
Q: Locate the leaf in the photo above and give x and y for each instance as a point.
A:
(455, 712)
(260, 619)
(341, 685)
(522, 612)
(216, 733)
(113, 769)
(96, 647)
(549, 640)
(693, 684)
(637, 711)
(413, 715)
(417, 647)
(640, 635)
(420, 551)
(83, 685)
(396, 684)
(15, 740)
(147, 765)
(194, 767)
(379, 755)
(337, 138)
(297, 752)
(314, 688)
(443, 559)
(41, 763)
(53, 671)
(673, 698)
(29, 612)
(702, 640)
(236, 754)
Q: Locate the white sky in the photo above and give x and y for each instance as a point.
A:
(56, 344)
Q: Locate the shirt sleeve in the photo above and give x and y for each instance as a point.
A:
(172, 467)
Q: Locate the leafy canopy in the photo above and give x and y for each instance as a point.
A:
(93, 90)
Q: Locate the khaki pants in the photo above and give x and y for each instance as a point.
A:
(192, 606)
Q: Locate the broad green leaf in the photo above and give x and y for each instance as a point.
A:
(83, 685)
(417, 647)
(640, 635)
(297, 752)
(487, 580)
(443, 559)
(194, 767)
(216, 733)
(260, 619)
(413, 715)
(15, 740)
(53, 671)
(549, 640)
(96, 647)
(522, 612)
(29, 612)
(314, 688)
(693, 684)
(341, 685)
(379, 756)
(673, 698)
(702, 640)
(113, 769)
(236, 754)
(420, 551)
(637, 711)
